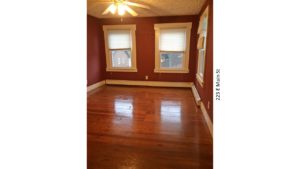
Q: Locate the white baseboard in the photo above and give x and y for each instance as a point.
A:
(196, 95)
(96, 85)
(207, 119)
(149, 83)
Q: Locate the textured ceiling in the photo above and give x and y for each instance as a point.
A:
(157, 8)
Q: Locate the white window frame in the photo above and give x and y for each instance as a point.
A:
(199, 76)
(109, 67)
(185, 61)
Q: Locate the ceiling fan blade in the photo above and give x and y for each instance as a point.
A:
(107, 10)
(129, 10)
(136, 4)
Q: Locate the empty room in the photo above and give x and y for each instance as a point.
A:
(149, 84)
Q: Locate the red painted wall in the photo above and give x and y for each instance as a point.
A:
(206, 92)
(145, 41)
(95, 64)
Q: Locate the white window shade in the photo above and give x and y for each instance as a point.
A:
(172, 40)
(119, 39)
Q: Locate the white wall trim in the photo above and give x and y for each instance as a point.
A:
(149, 83)
(196, 95)
(201, 45)
(96, 85)
(207, 119)
(199, 79)
(121, 70)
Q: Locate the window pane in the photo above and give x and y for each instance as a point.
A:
(172, 39)
(119, 39)
(204, 24)
(171, 60)
(121, 58)
(202, 61)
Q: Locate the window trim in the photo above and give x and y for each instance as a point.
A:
(185, 69)
(109, 67)
(200, 78)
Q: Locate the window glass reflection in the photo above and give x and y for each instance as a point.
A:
(170, 111)
(123, 107)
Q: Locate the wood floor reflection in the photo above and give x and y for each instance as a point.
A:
(146, 128)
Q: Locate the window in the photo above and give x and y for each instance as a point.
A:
(120, 48)
(172, 45)
(202, 31)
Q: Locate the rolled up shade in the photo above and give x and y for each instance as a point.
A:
(119, 39)
(172, 40)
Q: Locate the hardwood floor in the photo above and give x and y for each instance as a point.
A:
(146, 128)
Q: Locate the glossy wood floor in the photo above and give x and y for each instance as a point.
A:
(146, 128)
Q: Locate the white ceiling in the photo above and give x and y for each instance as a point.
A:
(157, 8)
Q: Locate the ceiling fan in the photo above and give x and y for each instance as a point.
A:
(121, 6)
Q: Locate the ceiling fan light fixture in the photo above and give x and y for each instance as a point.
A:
(121, 9)
(112, 8)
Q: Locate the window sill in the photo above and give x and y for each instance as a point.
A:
(121, 70)
(200, 80)
(171, 71)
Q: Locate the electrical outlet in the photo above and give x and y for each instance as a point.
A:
(146, 77)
